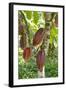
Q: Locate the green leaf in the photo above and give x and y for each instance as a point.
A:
(55, 44)
(28, 14)
(54, 36)
(35, 17)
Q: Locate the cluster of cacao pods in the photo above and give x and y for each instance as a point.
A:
(37, 40)
(23, 39)
(27, 51)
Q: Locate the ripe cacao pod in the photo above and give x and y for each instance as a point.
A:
(27, 53)
(20, 29)
(40, 60)
(38, 37)
(23, 41)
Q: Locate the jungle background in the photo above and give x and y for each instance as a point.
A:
(28, 24)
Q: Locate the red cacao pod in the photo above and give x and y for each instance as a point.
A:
(38, 37)
(40, 60)
(23, 41)
(27, 53)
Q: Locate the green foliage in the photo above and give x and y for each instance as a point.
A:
(51, 66)
(28, 70)
(35, 17)
(54, 36)
(28, 14)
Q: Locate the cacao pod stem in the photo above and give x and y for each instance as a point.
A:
(42, 73)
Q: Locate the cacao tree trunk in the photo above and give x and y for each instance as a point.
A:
(41, 74)
(48, 24)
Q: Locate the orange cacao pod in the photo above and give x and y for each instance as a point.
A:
(27, 53)
(40, 60)
(38, 37)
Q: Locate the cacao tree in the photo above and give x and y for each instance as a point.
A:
(38, 37)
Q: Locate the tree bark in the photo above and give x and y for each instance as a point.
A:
(48, 24)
